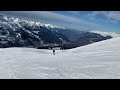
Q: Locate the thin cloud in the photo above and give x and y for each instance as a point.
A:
(112, 16)
(74, 12)
(56, 18)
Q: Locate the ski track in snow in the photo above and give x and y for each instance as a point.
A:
(96, 61)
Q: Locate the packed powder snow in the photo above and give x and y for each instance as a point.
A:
(99, 60)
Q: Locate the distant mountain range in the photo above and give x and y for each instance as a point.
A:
(15, 32)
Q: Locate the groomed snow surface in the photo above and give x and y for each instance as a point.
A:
(100, 60)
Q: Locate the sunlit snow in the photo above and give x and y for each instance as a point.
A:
(98, 60)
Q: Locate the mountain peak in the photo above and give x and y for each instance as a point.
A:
(30, 23)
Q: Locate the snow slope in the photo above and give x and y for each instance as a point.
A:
(95, 61)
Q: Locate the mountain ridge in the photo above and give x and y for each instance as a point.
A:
(15, 32)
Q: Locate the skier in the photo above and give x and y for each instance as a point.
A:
(53, 51)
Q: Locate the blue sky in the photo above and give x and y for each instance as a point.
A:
(82, 20)
(105, 21)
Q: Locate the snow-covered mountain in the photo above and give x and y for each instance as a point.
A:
(17, 21)
(16, 32)
(99, 60)
(112, 34)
